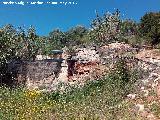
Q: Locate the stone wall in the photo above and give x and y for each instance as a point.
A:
(37, 74)
(42, 73)
(88, 64)
(84, 55)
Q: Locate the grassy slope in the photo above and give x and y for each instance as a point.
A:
(102, 99)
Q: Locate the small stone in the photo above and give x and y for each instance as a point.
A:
(131, 96)
(145, 81)
(140, 107)
(146, 92)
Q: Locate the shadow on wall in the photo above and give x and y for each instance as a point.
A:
(71, 67)
(9, 73)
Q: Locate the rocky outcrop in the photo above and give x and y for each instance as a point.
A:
(87, 65)
(84, 55)
(111, 52)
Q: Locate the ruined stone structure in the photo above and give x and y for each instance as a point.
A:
(42, 74)
(48, 73)
(87, 64)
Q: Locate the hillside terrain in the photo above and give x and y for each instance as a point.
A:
(110, 71)
(139, 99)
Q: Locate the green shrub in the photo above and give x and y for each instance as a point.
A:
(150, 27)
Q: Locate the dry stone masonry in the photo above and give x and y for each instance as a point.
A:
(87, 63)
(42, 73)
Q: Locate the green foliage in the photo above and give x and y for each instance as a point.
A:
(106, 28)
(7, 43)
(76, 36)
(46, 46)
(129, 27)
(33, 44)
(18, 43)
(57, 39)
(129, 32)
(155, 108)
(150, 27)
(110, 28)
(120, 72)
(7, 47)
